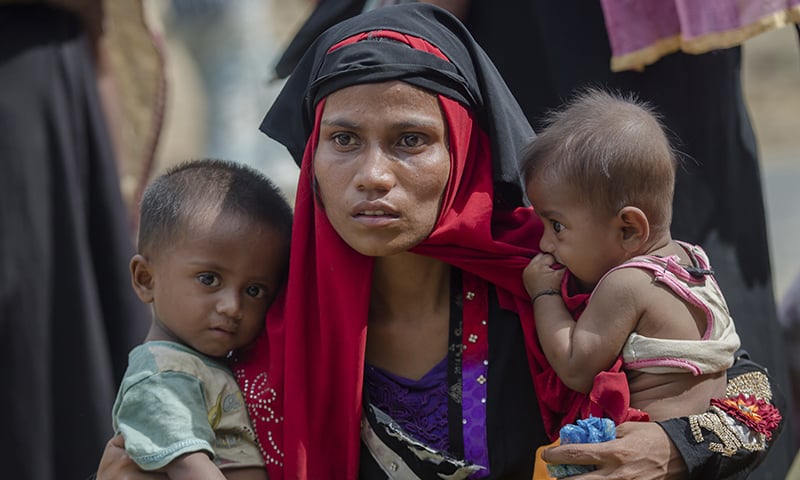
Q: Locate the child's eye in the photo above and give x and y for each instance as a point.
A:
(557, 226)
(255, 291)
(208, 279)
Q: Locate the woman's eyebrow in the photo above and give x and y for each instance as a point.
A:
(422, 123)
(339, 122)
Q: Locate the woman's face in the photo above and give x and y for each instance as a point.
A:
(381, 165)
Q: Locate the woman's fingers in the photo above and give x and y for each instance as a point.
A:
(642, 450)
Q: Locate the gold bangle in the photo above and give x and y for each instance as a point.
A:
(549, 291)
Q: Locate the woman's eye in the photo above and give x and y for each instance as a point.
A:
(343, 139)
(255, 291)
(411, 141)
(208, 279)
(557, 226)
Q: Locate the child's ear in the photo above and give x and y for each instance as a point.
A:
(635, 228)
(142, 278)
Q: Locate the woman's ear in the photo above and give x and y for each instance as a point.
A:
(142, 278)
(635, 228)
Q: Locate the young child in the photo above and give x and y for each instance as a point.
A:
(213, 253)
(601, 178)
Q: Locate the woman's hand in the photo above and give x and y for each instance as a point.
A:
(117, 465)
(542, 273)
(642, 450)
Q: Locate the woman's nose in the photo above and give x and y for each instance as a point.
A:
(376, 171)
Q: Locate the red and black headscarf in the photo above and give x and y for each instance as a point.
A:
(302, 380)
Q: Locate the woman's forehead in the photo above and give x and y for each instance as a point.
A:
(393, 105)
(391, 90)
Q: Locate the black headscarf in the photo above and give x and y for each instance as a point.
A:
(469, 78)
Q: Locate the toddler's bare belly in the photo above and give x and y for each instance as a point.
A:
(673, 395)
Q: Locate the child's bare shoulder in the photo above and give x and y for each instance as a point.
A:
(625, 281)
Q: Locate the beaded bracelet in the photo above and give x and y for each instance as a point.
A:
(549, 291)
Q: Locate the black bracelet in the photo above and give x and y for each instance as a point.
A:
(549, 291)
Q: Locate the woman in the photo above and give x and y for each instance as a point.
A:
(405, 345)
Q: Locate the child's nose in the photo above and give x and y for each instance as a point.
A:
(230, 305)
(546, 243)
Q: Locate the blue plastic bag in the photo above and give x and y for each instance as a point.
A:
(589, 430)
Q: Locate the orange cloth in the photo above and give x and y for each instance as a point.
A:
(540, 466)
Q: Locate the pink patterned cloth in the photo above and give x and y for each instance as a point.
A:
(642, 31)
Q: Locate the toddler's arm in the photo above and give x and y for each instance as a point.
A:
(193, 466)
(579, 350)
(199, 465)
(116, 464)
(246, 474)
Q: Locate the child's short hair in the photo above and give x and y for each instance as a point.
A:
(612, 150)
(198, 186)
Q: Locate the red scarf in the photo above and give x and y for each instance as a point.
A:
(302, 380)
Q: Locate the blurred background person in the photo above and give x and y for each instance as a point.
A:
(67, 313)
(219, 70)
(789, 317)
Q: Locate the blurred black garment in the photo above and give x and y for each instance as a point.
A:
(327, 14)
(68, 315)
